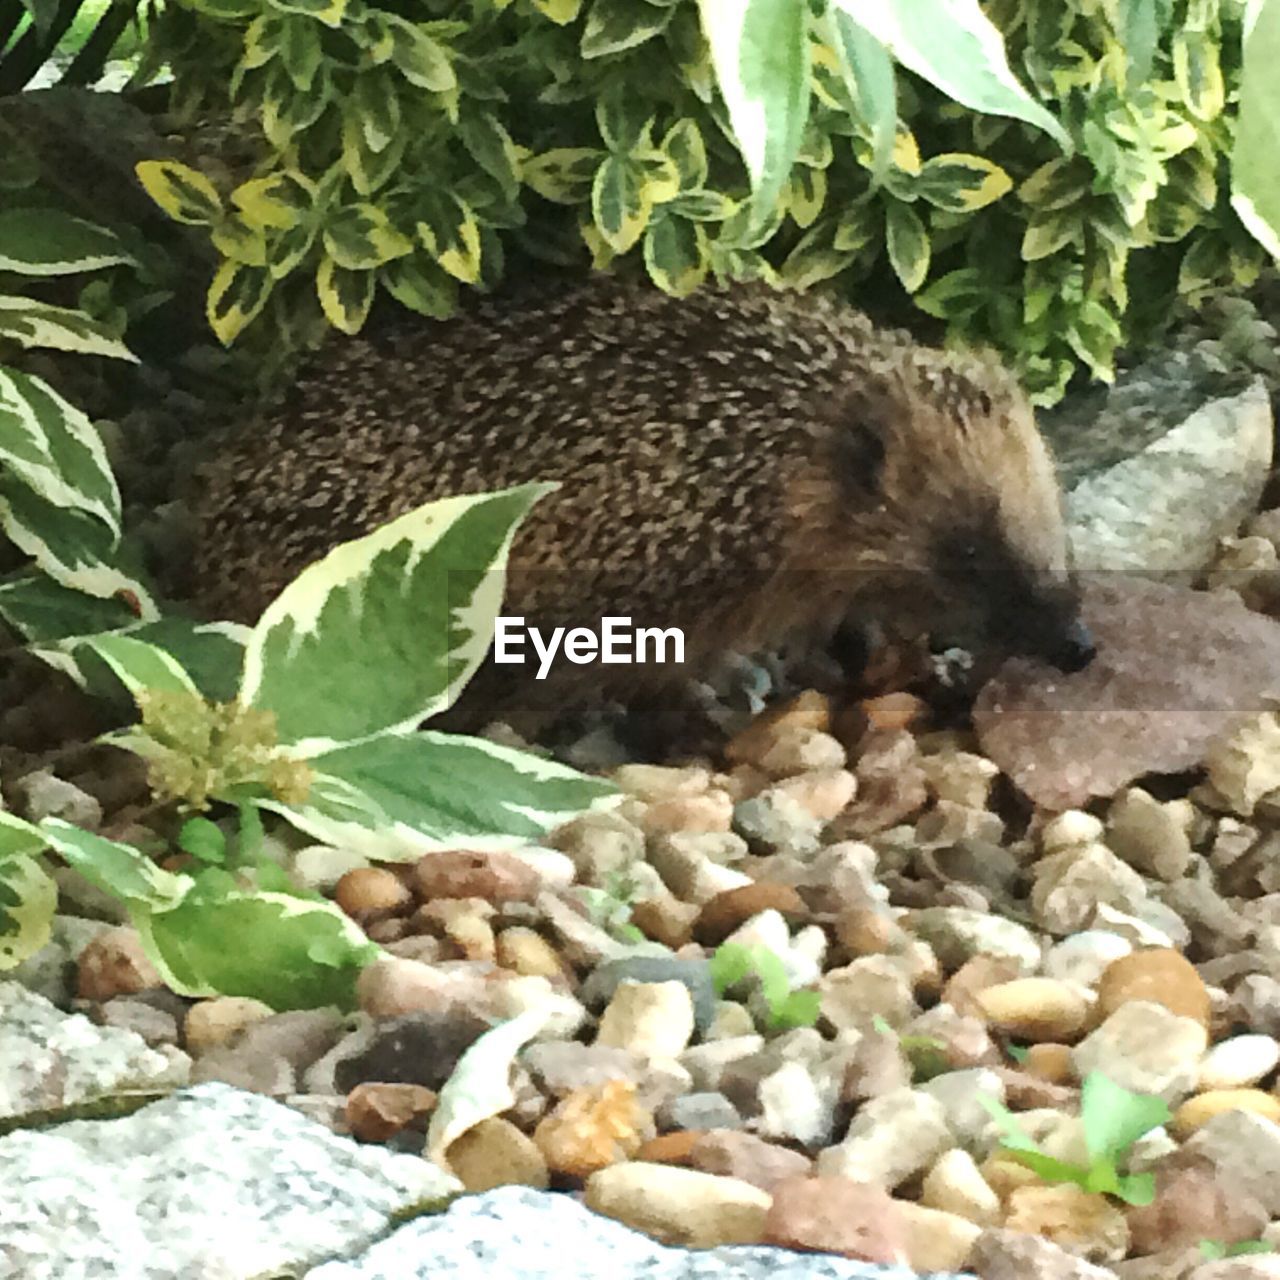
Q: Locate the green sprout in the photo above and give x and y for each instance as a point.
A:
(733, 961)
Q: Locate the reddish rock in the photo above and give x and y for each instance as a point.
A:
(456, 873)
(836, 1215)
(376, 1112)
(1191, 1205)
(721, 915)
(742, 1155)
(115, 964)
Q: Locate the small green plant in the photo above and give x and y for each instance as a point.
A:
(926, 1054)
(609, 907)
(1113, 1120)
(732, 962)
(1215, 1249)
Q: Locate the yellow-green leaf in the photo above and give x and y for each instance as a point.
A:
(806, 194)
(184, 193)
(563, 175)
(235, 239)
(369, 170)
(620, 202)
(615, 25)
(238, 293)
(908, 244)
(330, 12)
(815, 257)
(561, 12)
(661, 176)
(676, 255)
(421, 58)
(360, 237)
(704, 206)
(345, 296)
(601, 254)
(1055, 185)
(857, 225)
(417, 283)
(1198, 73)
(490, 146)
(1046, 233)
(450, 234)
(376, 104)
(961, 183)
(276, 202)
(687, 150)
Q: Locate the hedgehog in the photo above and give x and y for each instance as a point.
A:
(747, 464)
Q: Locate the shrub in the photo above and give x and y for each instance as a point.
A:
(409, 152)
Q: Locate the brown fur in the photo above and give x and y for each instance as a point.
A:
(744, 464)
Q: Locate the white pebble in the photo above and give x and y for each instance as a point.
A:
(1239, 1062)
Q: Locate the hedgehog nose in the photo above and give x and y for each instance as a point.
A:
(1075, 650)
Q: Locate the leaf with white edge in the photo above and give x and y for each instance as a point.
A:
(867, 70)
(289, 952)
(49, 242)
(760, 49)
(184, 193)
(51, 446)
(399, 795)
(28, 900)
(480, 1086)
(390, 626)
(956, 47)
(908, 244)
(139, 665)
(676, 255)
(73, 548)
(42, 610)
(621, 203)
(615, 25)
(40, 324)
(1255, 176)
(115, 868)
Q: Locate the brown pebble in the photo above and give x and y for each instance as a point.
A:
(1050, 1062)
(899, 710)
(722, 914)
(1158, 975)
(456, 873)
(1198, 1111)
(666, 920)
(974, 976)
(866, 931)
(376, 1112)
(372, 893)
(115, 964)
(835, 1215)
(808, 710)
(494, 1153)
(734, 1154)
(670, 1148)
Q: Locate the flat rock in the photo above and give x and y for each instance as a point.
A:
(514, 1231)
(1177, 672)
(207, 1182)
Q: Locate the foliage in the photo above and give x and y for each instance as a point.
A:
(732, 962)
(1215, 1249)
(1113, 1120)
(799, 143)
(609, 907)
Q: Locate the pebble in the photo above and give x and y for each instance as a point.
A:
(776, 821)
(724, 913)
(955, 1184)
(872, 986)
(115, 964)
(525, 951)
(680, 1206)
(936, 1240)
(711, 812)
(1146, 1049)
(1238, 1062)
(823, 794)
(319, 867)
(593, 1128)
(694, 974)
(1192, 1204)
(651, 1018)
(809, 710)
(1158, 976)
(378, 1111)
(797, 1104)
(891, 1138)
(600, 845)
(654, 782)
(1197, 1111)
(1244, 1149)
(961, 1093)
(418, 1048)
(690, 869)
(960, 777)
(1000, 1254)
(1081, 1221)
(561, 1067)
(837, 1215)
(265, 1073)
(461, 922)
(705, 1110)
(1083, 957)
(299, 1036)
(496, 877)
(494, 1153)
(1070, 885)
(798, 749)
(733, 1154)
(957, 934)
(43, 794)
(155, 1026)
(372, 893)
(1035, 1008)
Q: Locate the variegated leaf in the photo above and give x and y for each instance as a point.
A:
(115, 868)
(42, 610)
(908, 243)
(961, 183)
(360, 236)
(48, 242)
(449, 232)
(419, 57)
(345, 295)
(28, 900)
(40, 324)
(676, 254)
(184, 193)
(392, 624)
(615, 25)
(417, 283)
(621, 202)
(564, 175)
(236, 297)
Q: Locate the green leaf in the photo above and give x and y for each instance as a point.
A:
(490, 146)
(908, 244)
(419, 57)
(49, 242)
(278, 202)
(563, 175)
(449, 232)
(960, 183)
(115, 868)
(761, 53)
(392, 624)
(955, 296)
(184, 193)
(43, 610)
(621, 202)
(1139, 34)
(236, 297)
(369, 170)
(817, 256)
(1255, 177)
(203, 839)
(417, 283)
(955, 46)
(1055, 185)
(703, 206)
(615, 25)
(28, 900)
(867, 70)
(676, 255)
(288, 111)
(376, 104)
(360, 236)
(330, 12)
(141, 666)
(806, 195)
(625, 121)
(1046, 233)
(18, 838)
(1114, 1119)
(41, 324)
(345, 295)
(686, 149)
(1198, 73)
(51, 446)
(289, 952)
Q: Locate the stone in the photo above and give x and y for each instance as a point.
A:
(208, 1181)
(797, 1103)
(823, 794)
(377, 1112)
(774, 820)
(809, 710)
(961, 1093)
(655, 782)
(955, 1184)
(1083, 957)
(115, 964)
(1035, 1008)
(891, 782)
(1191, 1205)
(496, 877)
(1158, 976)
(1000, 1254)
(495, 1153)
(680, 1206)
(1064, 740)
(1197, 1111)
(1244, 1149)
(705, 1110)
(957, 934)
(599, 988)
(1261, 1267)
(650, 1018)
(936, 1240)
(527, 952)
(299, 1036)
(220, 1021)
(870, 987)
(724, 913)
(1238, 1062)
(743, 1155)
(891, 1138)
(1166, 507)
(1151, 837)
(562, 1067)
(42, 794)
(50, 1059)
(1078, 1220)
(1070, 885)
(710, 812)
(690, 864)
(797, 749)
(155, 1026)
(600, 844)
(836, 1215)
(1146, 1049)
(319, 867)
(418, 1048)
(593, 1128)
(372, 893)
(264, 1073)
